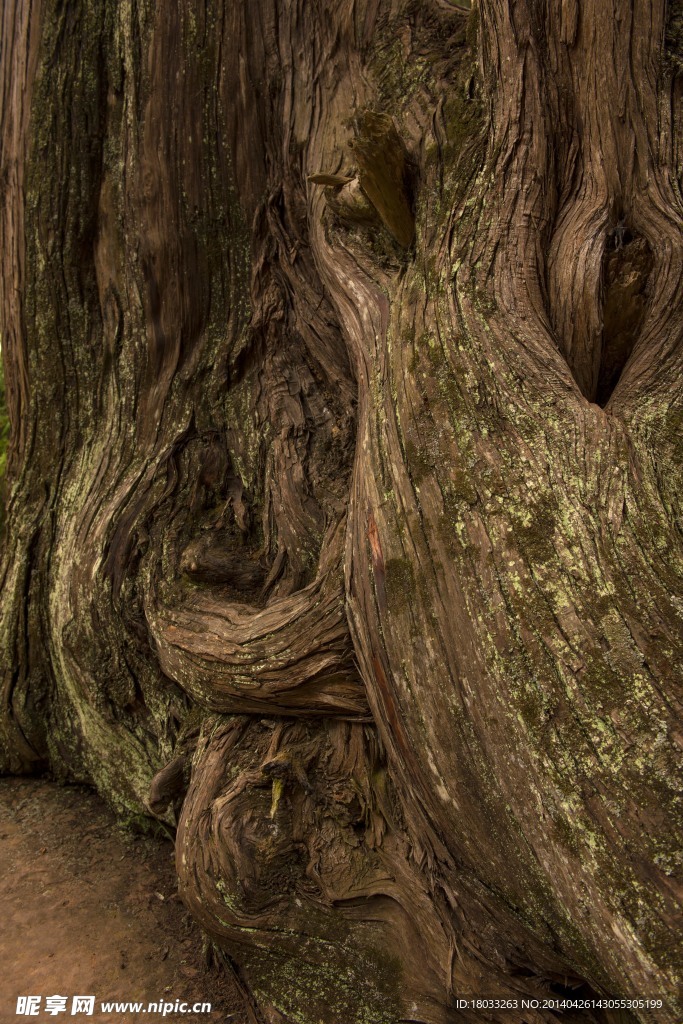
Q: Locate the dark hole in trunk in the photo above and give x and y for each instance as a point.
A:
(571, 989)
(626, 270)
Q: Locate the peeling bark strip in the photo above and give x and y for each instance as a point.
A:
(343, 356)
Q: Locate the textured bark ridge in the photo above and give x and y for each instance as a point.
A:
(343, 353)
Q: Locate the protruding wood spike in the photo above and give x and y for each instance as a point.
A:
(382, 160)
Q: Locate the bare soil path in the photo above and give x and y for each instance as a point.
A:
(88, 908)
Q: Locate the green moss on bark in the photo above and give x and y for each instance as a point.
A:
(4, 433)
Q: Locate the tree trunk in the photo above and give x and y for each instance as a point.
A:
(342, 347)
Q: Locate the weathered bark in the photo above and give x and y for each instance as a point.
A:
(343, 349)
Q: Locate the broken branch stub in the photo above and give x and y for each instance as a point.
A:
(334, 180)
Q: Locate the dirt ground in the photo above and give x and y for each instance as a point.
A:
(88, 908)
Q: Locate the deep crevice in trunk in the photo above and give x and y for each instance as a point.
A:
(627, 266)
